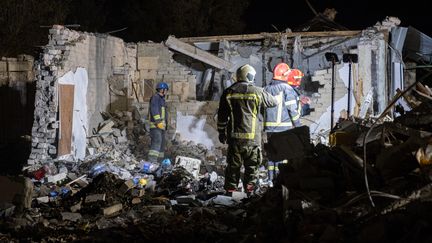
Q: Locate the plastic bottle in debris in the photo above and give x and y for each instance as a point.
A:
(148, 167)
(140, 182)
(38, 174)
(65, 192)
(166, 164)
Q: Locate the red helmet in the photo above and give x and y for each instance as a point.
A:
(294, 77)
(280, 72)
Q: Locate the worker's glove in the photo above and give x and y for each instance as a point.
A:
(305, 100)
(160, 125)
(222, 138)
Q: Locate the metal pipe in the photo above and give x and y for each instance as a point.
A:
(349, 90)
(332, 95)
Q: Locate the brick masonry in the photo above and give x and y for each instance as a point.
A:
(156, 63)
(19, 69)
(106, 58)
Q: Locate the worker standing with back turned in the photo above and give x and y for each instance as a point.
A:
(286, 115)
(238, 125)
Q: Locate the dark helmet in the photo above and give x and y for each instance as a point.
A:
(162, 85)
(246, 73)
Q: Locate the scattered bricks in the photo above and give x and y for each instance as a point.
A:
(108, 139)
(137, 192)
(116, 132)
(112, 209)
(106, 126)
(94, 198)
(44, 199)
(136, 200)
(71, 216)
(122, 139)
(75, 208)
(56, 178)
(126, 186)
(94, 142)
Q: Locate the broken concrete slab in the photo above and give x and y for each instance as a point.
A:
(105, 127)
(197, 53)
(44, 199)
(75, 208)
(71, 216)
(94, 198)
(112, 209)
(190, 164)
(126, 186)
(56, 178)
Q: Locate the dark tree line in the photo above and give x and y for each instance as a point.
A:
(24, 24)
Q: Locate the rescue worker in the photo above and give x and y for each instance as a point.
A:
(239, 125)
(158, 123)
(286, 115)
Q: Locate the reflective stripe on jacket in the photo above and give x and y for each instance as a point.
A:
(239, 109)
(281, 117)
(157, 111)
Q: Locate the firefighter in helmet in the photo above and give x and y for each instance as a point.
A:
(238, 125)
(286, 115)
(158, 123)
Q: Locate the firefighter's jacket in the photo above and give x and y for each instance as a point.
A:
(287, 114)
(157, 111)
(240, 109)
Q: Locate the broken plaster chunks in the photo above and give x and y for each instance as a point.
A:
(112, 209)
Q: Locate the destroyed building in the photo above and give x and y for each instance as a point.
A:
(91, 101)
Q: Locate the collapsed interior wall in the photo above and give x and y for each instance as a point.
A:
(121, 75)
(307, 54)
(109, 64)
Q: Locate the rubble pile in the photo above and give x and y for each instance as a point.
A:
(371, 183)
(325, 197)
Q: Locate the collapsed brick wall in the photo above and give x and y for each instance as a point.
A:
(201, 110)
(110, 65)
(155, 64)
(321, 100)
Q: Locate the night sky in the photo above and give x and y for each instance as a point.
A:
(24, 24)
(355, 15)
